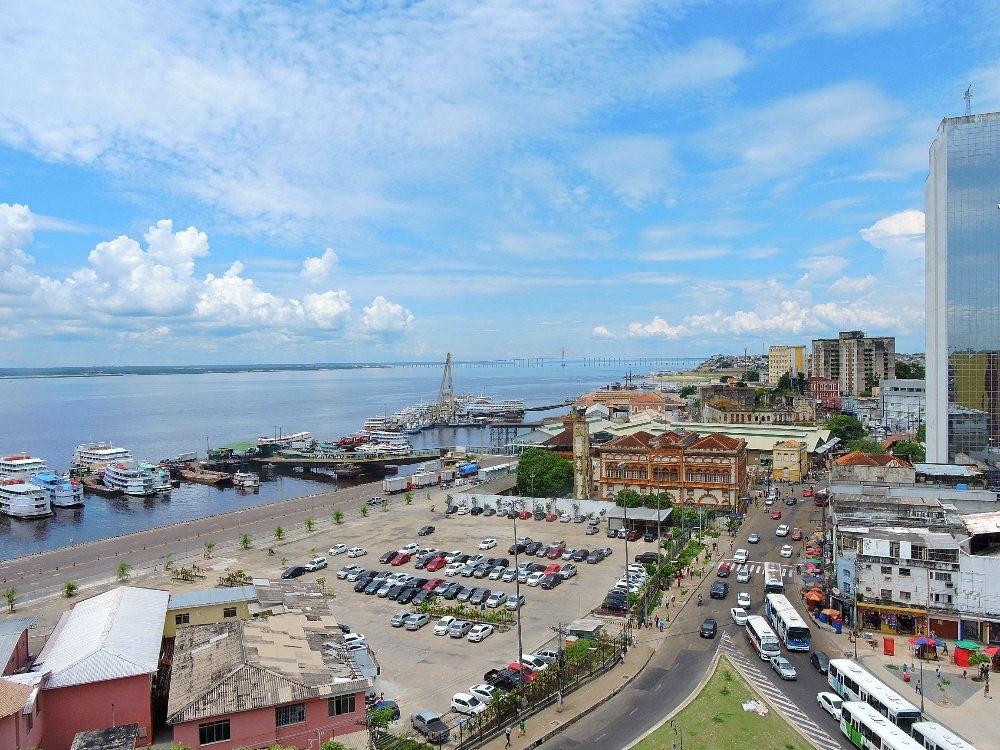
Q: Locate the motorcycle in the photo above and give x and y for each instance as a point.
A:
(700, 601)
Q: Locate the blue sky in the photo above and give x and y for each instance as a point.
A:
(364, 181)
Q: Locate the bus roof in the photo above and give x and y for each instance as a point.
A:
(943, 737)
(886, 729)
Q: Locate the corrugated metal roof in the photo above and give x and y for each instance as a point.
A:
(190, 599)
(16, 624)
(112, 635)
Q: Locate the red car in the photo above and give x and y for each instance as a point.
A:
(808, 492)
(551, 517)
(555, 553)
(523, 515)
(436, 564)
(553, 568)
(723, 570)
(524, 669)
(632, 535)
(433, 584)
(775, 516)
(402, 558)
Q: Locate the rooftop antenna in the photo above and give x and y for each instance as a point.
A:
(968, 101)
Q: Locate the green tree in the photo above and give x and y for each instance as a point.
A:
(381, 718)
(69, 589)
(279, 533)
(544, 474)
(321, 582)
(168, 561)
(364, 511)
(408, 497)
(628, 499)
(751, 376)
(11, 596)
(245, 541)
(209, 549)
(784, 383)
(332, 745)
(338, 516)
(907, 371)
(309, 523)
(866, 446)
(912, 451)
(124, 571)
(688, 390)
(846, 427)
(921, 433)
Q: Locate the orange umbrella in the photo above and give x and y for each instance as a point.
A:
(815, 596)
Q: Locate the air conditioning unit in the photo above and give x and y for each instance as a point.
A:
(949, 585)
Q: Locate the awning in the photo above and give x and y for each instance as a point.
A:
(967, 645)
(890, 608)
(828, 446)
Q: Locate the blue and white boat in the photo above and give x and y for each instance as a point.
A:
(63, 491)
(126, 477)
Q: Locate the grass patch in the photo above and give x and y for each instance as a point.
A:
(715, 720)
(892, 667)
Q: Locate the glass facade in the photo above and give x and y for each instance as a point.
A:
(964, 256)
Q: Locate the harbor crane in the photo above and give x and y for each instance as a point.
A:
(444, 411)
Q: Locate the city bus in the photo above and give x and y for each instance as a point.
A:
(869, 730)
(853, 683)
(774, 581)
(787, 623)
(762, 638)
(932, 736)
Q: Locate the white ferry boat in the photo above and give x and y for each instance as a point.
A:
(20, 466)
(127, 478)
(392, 438)
(485, 406)
(161, 477)
(20, 499)
(247, 480)
(384, 449)
(91, 456)
(297, 440)
(63, 491)
(375, 423)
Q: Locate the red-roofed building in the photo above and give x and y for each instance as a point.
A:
(706, 471)
(873, 468)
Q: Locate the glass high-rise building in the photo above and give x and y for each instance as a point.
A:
(962, 257)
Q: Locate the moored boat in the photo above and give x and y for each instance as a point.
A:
(161, 477)
(20, 499)
(128, 478)
(64, 492)
(20, 466)
(247, 480)
(91, 456)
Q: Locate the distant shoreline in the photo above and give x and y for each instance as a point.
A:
(15, 373)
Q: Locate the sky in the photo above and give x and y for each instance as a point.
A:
(359, 181)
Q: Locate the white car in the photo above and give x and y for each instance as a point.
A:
(741, 556)
(442, 625)
(354, 638)
(782, 530)
(488, 544)
(480, 633)
(535, 578)
(467, 704)
(786, 551)
(346, 571)
(338, 549)
(539, 665)
(497, 599)
(356, 552)
(739, 615)
(485, 693)
(463, 510)
(411, 548)
(743, 599)
(454, 569)
(831, 703)
(450, 557)
(743, 576)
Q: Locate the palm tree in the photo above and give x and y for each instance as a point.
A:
(123, 572)
(10, 595)
(364, 511)
(321, 582)
(338, 516)
(309, 523)
(69, 588)
(408, 497)
(209, 548)
(245, 541)
(279, 533)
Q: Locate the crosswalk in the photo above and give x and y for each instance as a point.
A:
(757, 568)
(751, 668)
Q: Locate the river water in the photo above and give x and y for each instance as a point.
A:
(161, 416)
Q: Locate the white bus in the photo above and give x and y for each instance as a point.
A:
(787, 623)
(932, 736)
(774, 581)
(762, 638)
(870, 730)
(853, 683)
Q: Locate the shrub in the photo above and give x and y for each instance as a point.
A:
(69, 589)
(123, 571)
(279, 533)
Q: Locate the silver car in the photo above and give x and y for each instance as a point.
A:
(783, 667)
(399, 619)
(509, 574)
(568, 571)
(417, 621)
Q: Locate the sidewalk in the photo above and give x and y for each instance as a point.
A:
(955, 702)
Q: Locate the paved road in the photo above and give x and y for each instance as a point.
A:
(679, 665)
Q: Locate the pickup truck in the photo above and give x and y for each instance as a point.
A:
(505, 679)
(429, 724)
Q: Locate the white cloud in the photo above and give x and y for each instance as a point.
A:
(154, 334)
(317, 269)
(862, 16)
(603, 333)
(637, 168)
(17, 227)
(385, 317)
(328, 310)
(685, 253)
(232, 300)
(900, 233)
(853, 287)
(658, 327)
(821, 268)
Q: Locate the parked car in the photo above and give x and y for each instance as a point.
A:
(524, 670)
(514, 603)
(783, 667)
(517, 548)
(388, 557)
(429, 724)
(357, 552)
(451, 557)
(568, 571)
(376, 501)
(739, 615)
(509, 574)
(423, 596)
(408, 594)
(294, 572)
(476, 511)
(547, 655)
(580, 555)
(480, 633)
(523, 515)
(592, 530)
(786, 550)
(606, 551)
(317, 563)
(831, 703)
(452, 510)
(442, 625)
(796, 535)
(347, 570)
(425, 531)
(337, 549)
(479, 596)
(555, 552)
(720, 589)
(489, 512)
(647, 558)
(459, 628)
(741, 556)
(488, 544)
(579, 518)
(612, 533)
(551, 580)
(595, 557)
(649, 536)
(743, 576)
(387, 705)
(399, 619)
(754, 538)
(820, 661)
(359, 574)
(632, 535)
(485, 693)
(416, 621)
(464, 703)
(708, 628)
(401, 559)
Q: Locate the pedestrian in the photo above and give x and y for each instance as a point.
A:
(918, 687)
(939, 672)
(509, 730)
(661, 626)
(520, 728)
(657, 621)
(986, 690)
(944, 649)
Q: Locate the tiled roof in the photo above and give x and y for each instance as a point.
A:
(884, 460)
(12, 697)
(110, 636)
(717, 442)
(639, 439)
(789, 444)
(562, 438)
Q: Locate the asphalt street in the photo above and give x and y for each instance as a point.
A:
(682, 660)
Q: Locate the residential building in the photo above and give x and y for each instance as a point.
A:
(825, 391)
(104, 652)
(856, 361)
(872, 468)
(962, 269)
(21, 719)
(635, 402)
(202, 607)
(14, 643)
(785, 360)
(903, 404)
(863, 408)
(234, 684)
(702, 471)
(790, 460)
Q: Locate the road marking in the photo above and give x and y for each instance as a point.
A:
(792, 712)
(631, 712)
(658, 686)
(597, 738)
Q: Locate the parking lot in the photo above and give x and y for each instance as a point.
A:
(422, 671)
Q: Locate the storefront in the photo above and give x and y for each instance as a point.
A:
(889, 619)
(944, 627)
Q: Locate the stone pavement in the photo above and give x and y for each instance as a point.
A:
(955, 702)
